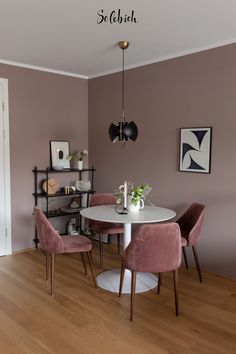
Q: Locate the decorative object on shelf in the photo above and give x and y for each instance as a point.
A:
(50, 186)
(73, 204)
(195, 149)
(123, 130)
(77, 199)
(59, 150)
(80, 164)
(78, 156)
(83, 186)
(67, 189)
(136, 196)
(71, 228)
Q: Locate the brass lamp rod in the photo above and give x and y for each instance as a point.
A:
(123, 45)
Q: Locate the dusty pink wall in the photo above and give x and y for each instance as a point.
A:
(42, 107)
(198, 90)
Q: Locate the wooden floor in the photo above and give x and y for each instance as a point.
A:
(80, 319)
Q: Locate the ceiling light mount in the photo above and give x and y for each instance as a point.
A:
(124, 130)
(123, 44)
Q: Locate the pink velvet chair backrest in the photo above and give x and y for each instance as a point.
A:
(102, 199)
(191, 223)
(154, 248)
(49, 238)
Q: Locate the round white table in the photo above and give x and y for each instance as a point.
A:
(110, 279)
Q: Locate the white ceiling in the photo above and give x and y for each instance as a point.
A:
(63, 35)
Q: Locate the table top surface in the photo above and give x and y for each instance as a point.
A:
(149, 214)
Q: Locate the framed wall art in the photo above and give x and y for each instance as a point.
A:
(59, 152)
(195, 149)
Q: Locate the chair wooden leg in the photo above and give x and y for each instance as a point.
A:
(133, 286)
(47, 264)
(84, 263)
(91, 256)
(52, 274)
(159, 283)
(197, 263)
(101, 250)
(91, 268)
(185, 257)
(175, 274)
(118, 244)
(122, 272)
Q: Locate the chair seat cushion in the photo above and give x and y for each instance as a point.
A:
(78, 243)
(106, 228)
(183, 242)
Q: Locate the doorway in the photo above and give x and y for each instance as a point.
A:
(5, 197)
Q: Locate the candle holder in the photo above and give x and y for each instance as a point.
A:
(121, 210)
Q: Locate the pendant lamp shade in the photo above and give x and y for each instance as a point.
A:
(130, 130)
(123, 130)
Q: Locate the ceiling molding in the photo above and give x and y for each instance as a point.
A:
(169, 57)
(153, 61)
(39, 68)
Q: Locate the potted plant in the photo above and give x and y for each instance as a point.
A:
(139, 192)
(136, 195)
(78, 156)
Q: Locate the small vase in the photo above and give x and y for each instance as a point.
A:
(135, 208)
(80, 164)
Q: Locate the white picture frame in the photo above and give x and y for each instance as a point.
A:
(195, 150)
(59, 153)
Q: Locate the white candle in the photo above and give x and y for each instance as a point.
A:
(125, 195)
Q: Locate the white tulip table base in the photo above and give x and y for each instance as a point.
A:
(110, 280)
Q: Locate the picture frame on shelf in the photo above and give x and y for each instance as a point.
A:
(59, 152)
(195, 150)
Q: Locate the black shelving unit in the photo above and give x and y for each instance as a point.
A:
(46, 173)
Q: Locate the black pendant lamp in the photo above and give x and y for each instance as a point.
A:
(123, 130)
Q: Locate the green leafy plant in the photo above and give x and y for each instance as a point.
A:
(135, 192)
(78, 155)
(139, 192)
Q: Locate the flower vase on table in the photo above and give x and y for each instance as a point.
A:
(135, 207)
(132, 196)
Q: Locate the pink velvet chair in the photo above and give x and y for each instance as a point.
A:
(154, 248)
(52, 243)
(190, 225)
(105, 228)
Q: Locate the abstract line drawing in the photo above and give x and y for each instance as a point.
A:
(195, 149)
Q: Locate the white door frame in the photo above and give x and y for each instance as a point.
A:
(5, 239)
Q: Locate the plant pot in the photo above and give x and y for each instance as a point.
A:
(135, 208)
(80, 164)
